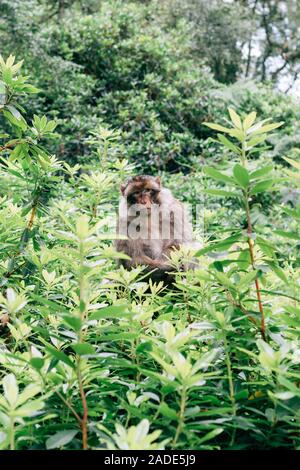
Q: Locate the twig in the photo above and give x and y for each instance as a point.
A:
(257, 286)
(69, 406)
(7, 146)
(237, 304)
(84, 419)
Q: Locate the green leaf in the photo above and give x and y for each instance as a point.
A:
(246, 279)
(224, 280)
(255, 141)
(114, 311)
(227, 143)
(217, 127)
(73, 321)
(37, 362)
(244, 260)
(221, 192)
(267, 128)
(292, 162)
(83, 349)
(203, 251)
(261, 172)
(235, 118)
(266, 247)
(278, 271)
(61, 438)
(293, 213)
(14, 112)
(61, 356)
(292, 174)
(227, 242)
(241, 175)
(82, 306)
(53, 306)
(2, 88)
(11, 389)
(249, 120)
(29, 392)
(220, 245)
(291, 235)
(217, 175)
(29, 408)
(261, 187)
(238, 134)
(7, 76)
(210, 435)
(166, 411)
(124, 336)
(30, 88)
(18, 175)
(205, 360)
(293, 310)
(15, 122)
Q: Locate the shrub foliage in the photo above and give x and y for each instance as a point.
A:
(93, 357)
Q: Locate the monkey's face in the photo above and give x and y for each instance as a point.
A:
(144, 197)
(142, 190)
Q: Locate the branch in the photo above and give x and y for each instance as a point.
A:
(257, 286)
(9, 145)
(69, 406)
(237, 304)
(293, 82)
(250, 44)
(84, 419)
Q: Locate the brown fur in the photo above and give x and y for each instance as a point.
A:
(151, 251)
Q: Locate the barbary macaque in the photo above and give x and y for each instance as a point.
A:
(154, 223)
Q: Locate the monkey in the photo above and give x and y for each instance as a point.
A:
(155, 223)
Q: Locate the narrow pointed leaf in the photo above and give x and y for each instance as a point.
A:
(292, 162)
(217, 127)
(227, 143)
(235, 118)
(249, 120)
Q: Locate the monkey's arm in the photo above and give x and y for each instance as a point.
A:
(137, 256)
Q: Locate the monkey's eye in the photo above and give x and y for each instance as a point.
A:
(134, 197)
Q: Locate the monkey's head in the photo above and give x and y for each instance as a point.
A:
(144, 190)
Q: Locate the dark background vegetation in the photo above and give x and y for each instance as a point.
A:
(90, 355)
(156, 70)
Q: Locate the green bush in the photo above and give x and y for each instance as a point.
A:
(126, 67)
(94, 357)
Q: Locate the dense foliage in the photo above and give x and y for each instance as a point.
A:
(144, 68)
(91, 356)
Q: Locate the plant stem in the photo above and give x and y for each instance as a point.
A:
(84, 419)
(181, 415)
(94, 210)
(10, 145)
(32, 215)
(251, 250)
(12, 434)
(252, 258)
(238, 304)
(230, 383)
(69, 406)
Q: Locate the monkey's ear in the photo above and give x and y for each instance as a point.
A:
(157, 179)
(122, 188)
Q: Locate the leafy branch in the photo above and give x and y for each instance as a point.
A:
(248, 137)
